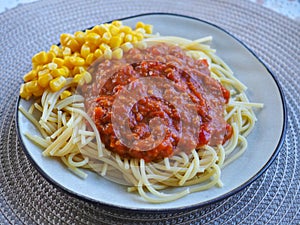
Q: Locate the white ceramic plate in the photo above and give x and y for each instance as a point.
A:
(264, 142)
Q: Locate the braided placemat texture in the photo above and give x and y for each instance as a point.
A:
(27, 198)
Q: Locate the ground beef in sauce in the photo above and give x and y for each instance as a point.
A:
(163, 61)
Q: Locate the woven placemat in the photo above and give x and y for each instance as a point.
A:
(27, 198)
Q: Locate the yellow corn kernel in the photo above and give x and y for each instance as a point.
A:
(40, 58)
(73, 45)
(106, 37)
(78, 69)
(32, 86)
(78, 79)
(67, 62)
(86, 76)
(115, 42)
(98, 53)
(57, 72)
(65, 94)
(139, 36)
(93, 38)
(117, 53)
(58, 61)
(141, 45)
(85, 50)
(44, 80)
(107, 53)
(43, 71)
(56, 50)
(140, 30)
(80, 37)
(52, 66)
(69, 40)
(128, 38)
(148, 28)
(103, 46)
(134, 39)
(38, 93)
(90, 59)
(122, 35)
(117, 23)
(35, 66)
(38, 68)
(51, 56)
(91, 46)
(139, 25)
(96, 29)
(66, 51)
(64, 38)
(67, 71)
(32, 75)
(114, 30)
(57, 83)
(77, 61)
(126, 29)
(101, 29)
(24, 93)
(60, 72)
(126, 46)
(88, 32)
(76, 54)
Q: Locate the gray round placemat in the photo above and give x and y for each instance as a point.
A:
(27, 198)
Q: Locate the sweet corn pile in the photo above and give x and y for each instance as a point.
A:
(76, 53)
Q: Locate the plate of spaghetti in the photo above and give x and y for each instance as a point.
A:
(151, 112)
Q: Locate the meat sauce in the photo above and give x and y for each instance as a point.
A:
(189, 76)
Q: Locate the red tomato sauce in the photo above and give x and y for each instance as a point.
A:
(189, 76)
